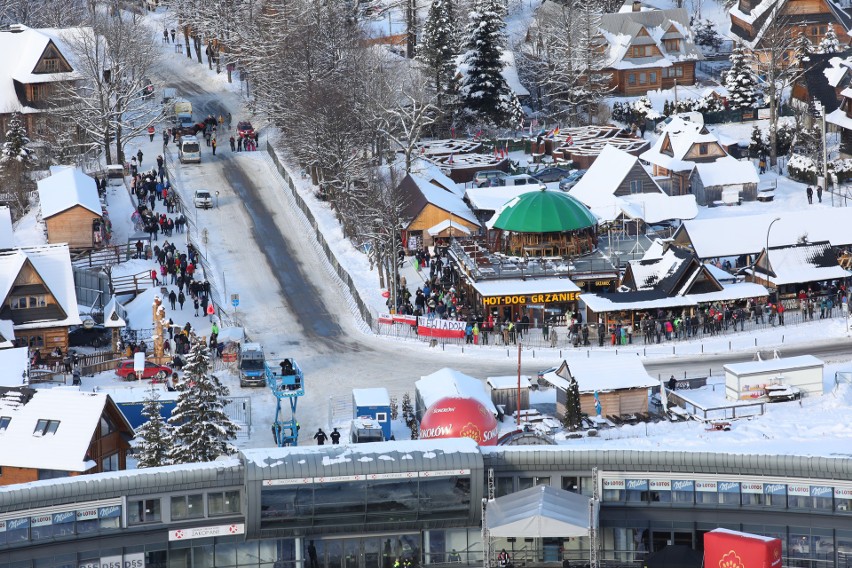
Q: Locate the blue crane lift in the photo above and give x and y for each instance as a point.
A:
(287, 382)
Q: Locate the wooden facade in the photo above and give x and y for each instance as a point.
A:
(639, 81)
(613, 403)
(812, 17)
(430, 216)
(72, 226)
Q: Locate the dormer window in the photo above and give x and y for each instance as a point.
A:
(4, 422)
(641, 51)
(45, 427)
(672, 44)
(703, 149)
(24, 302)
(50, 65)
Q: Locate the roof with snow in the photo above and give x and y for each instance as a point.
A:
(773, 365)
(116, 316)
(447, 225)
(602, 374)
(420, 192)
(53, 265)
(68, 187)
(449, 382)
(799, 263)
(14, 364)
(78, 415)
(28, 45)
(623, 30)
(433, 174)
(734, 236)
(759, 15)
(371, 397)
(837, 69)
(680, 135)
(508, 382)
(652, 300)
(488, 288)
(597, 190)
(7, 234)
(726, 171)
(824, 73)
(493, 198)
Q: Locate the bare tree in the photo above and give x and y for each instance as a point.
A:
(44, 13)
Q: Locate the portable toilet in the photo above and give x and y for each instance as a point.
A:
(373, 403)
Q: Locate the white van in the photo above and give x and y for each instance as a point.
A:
(521, 179)
(190, 150)
(115, 175)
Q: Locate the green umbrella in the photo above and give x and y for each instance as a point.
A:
(544, 212)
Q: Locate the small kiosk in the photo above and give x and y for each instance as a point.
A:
(775, 379)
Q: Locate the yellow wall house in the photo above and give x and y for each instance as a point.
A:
(432, 211)
(71, 208)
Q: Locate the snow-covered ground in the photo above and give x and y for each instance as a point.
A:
(237, 264)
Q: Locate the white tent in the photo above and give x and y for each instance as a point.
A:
(539, 512)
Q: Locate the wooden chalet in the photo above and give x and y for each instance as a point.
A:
(750, 20)
(54, 433)
(71, 209)
(789, 269)
(432, 211)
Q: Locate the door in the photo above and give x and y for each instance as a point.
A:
(351, 553)
(372, 554)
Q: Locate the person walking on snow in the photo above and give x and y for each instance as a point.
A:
(810, 194)
(233, 143)
(154, 279)
(181, 299)
(151, 133)
(320, 437)
(213, 144)
(139, 157)
(335, 437)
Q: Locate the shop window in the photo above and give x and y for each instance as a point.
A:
(224, 503)
(17, 530)
(842, 499)
(660, 490)
(683, 491)
(143, 511)
(636, 490)
(752, 494)
(187, 507)
(570, 483)
(613, 490)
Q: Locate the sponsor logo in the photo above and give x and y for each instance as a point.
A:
(107, 512)
(731, 560)
(636, 483)
(87, 514)
(65, 517)
(820, 491)
(436, 432)
(489, 435)
(775, 488)
(16, 524)
(445, 409)
(682, 485)
(471, 431)
(728, 486)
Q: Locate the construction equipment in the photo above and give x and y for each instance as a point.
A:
(287, 382)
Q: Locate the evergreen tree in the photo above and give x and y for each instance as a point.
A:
(407, 409)
(154, 435)
(484, 93)
(16, 161)
(741, 81)
(439, 46)
(573, 418)
(202, 430)
(830, 43)
(802, 48)
(757, 146)
(706, 34)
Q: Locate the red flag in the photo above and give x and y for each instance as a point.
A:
(453, 132)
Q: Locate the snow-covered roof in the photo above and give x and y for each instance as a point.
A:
(621, 30)
(799, 263)
(493, 198)
(604, 175)
(733, 236)
(683, 134)
(53, 264)
(835, 70)
(838, 115)
(78, 414)
(726, 171)
(446, 224)
(449, 382)
(604, 374)
(509, 72)
(137, 393)
(648, 273)
(602, 303)
(488, 288)
(28, 44)
(433, 173)
(116, 316)
(656, 207)
(13, 365)
(773, 365)
(371, 397)
(68, 187)
(7, 234)
(443, 199)
(508, 382)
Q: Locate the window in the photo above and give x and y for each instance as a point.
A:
(187, 507)
(107, 428)
(381, 416)
(505, 485)
(672, 44)
(672, 72)
(24, 302)
(110, 463)
(51, 474)
(703, 149)
(50, 65)
(631, 79)
(223, 503)
(571, 483)
(38, 92)
(653, 77)
(635, 186)
(4, 422)
(33, 340)
(143, 511)
(643, 78)
(45, 427)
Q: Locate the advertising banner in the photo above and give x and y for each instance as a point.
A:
(731, 549)
(397, 318)
(448, 329)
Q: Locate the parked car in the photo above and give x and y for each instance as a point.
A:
(152, 371)
(570, 181)
(518, 180)
(488, 177)
(202, 199)
(551, 174)
(96, 336)
(244, 128)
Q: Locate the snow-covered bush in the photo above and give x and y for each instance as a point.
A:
(829, 43)
(802, 168)
(643, 110)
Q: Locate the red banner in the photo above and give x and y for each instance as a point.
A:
(730, 549)
(449, 329)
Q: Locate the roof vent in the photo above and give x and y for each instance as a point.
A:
(17, 28)
(637, 6)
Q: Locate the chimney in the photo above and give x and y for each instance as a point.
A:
(637, 6)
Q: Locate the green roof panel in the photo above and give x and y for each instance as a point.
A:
(544, 212)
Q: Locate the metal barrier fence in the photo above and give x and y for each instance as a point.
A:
(238, 409)
(341, 272)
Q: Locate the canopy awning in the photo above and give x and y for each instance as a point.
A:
(539, 512)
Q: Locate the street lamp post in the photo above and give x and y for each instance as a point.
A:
(217, 200)
(769, 228)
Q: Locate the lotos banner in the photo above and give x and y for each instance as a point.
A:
(449, 329)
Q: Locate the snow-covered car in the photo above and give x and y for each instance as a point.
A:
(551, 174)
(568, 182)
(202, 199)
(488, 178)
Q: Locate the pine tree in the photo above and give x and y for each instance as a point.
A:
(17, 159)
(202, 430)
(394, 408)
(154, 435)
(802, 48)
(407, 409)
(484, 93)
(439, 46)
(757, 146)
(741, 81)
(706, 34)
(830, 43)
(573, 417)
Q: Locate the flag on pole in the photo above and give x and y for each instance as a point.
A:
(450, 160)
(453, 132)
(556, 131)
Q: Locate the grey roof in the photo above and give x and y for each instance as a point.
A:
(309, 462)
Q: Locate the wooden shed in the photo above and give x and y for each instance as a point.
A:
(430, 206)
(504, 391)
(621, 385)
(71, 208)
(749, 381)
